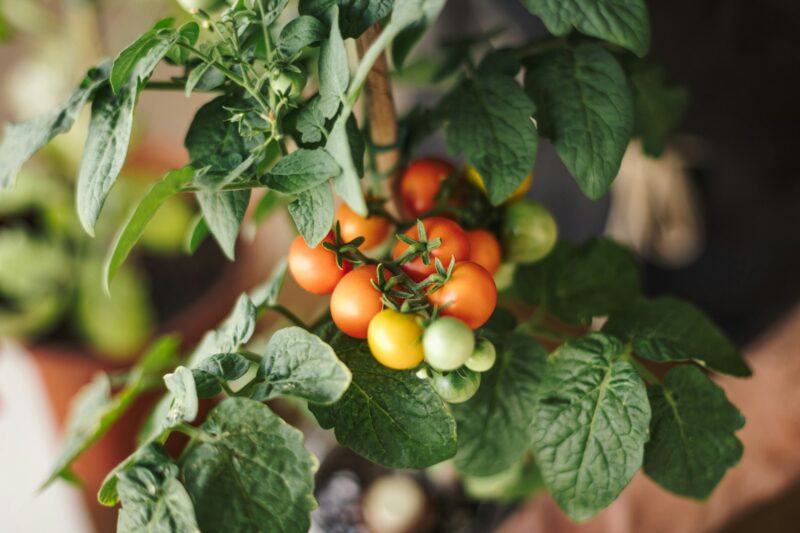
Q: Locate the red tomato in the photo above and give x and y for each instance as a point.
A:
(470, 293)
(484, 249)
(355, 301)
(455, 244)
(315, 269)
(374, 229)
(420, 183)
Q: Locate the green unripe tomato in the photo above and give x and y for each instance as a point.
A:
(205, 5)
(458, 386)
(288, 80)
(483, 357)
(529, 232)
(447, 343)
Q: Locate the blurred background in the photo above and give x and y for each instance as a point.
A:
(716, 220)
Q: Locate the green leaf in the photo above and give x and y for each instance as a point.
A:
(692, 441)
(658, 108)
(622, 22)
(302, 170)
(667, 329)
(234, 331)
(494, 426)
(312, 212)
(189, 33)
(312, 119)
(213, 139)
(585, 107)
(224, 212)
(300, 364)
(153, 499)
(489, 121)
(159, 192)
(267, 293)
(152, 44)
(184, 397)
(150, 455)
(195, 76)
(250, 471)
(197, 234)
(334, 71)
(404, 43)
(217, 369)
(105, 151)
(347, 183)
(390, 417)
(500, 61)
(300, 33)
(355, 16)
(590, 424)
(271, 10)
(84, 423)
(579, 283)
(22, 140)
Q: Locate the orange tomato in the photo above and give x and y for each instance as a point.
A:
(470, 295)
(484, 249)
(315, 269)
(420, 183)
(355, 301)
(374, 228)
(455, 244)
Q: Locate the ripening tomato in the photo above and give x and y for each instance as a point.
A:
(420, 183)
(395, 339)
(289, 83)
(315, 269)
(484, 249)
(470, 295)
(529, 232)
(374, 229)
(476, 179)
(455, 244)
(355, 301)
(456, 387)
(448, 343)
(483, 357)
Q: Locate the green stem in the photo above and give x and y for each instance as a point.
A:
(241, 186)
(290, 316)
(231, 75)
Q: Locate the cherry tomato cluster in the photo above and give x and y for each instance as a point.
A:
(420, 306)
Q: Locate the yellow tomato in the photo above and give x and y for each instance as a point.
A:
(395, 339)
(475, 178)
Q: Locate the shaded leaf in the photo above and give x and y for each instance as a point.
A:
(169, 185)
(300, 364)
(622, 22)
(658, 108)
(692, 442)
(590, 424)
(585, 107)
(494, 426)
(667, 329)
(312, 212)
(489, 121)
(390, 417)
(250, 472)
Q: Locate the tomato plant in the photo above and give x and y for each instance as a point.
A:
(420, 332)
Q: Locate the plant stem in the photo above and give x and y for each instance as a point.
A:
(290, 316)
